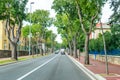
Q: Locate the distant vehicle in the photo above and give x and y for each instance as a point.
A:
(56, 52)
(62, 51)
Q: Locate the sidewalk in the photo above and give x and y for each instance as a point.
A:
(98, 67)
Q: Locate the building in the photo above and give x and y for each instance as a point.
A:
(4, 43)
(98, 30)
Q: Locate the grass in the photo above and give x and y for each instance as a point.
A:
(110, 74)
(24, 58)
(8, 60)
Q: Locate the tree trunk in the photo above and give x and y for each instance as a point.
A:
(86, 49)
(74, 47)
(42, 52)
(70, 49)
(32, 50)
(14, 51)
(25, 44)
(45, 44)
(52, 47)
(106, 59)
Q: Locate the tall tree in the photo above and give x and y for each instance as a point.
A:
(13, 15)
(69, 9)
(88, 12)
(24, 34)
(115, 22)
(62, 22)
(42, 18)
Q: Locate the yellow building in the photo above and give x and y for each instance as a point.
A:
(4, 43)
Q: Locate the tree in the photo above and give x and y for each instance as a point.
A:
(50, 40)
(36, 34)
(97, 44)
(24, 34)
(62, 23)
(115, 23)
(68, 10)
(40, 17)
(88, 15)
(13, 14)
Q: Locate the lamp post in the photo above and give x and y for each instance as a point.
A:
(30, 28)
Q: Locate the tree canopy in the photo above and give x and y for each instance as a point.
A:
(12, 13)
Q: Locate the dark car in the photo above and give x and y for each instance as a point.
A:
(56, 52)
(62, 53)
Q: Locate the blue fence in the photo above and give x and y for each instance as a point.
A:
(111, 52)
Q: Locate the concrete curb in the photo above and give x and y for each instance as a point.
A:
(87, 71)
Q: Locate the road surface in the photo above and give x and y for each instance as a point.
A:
(52, 67)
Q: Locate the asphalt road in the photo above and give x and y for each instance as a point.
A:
(52, 67)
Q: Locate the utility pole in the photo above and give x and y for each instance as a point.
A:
(30, 28)
(106, 62)
(51, 44)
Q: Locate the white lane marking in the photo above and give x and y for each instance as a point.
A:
(20, 78)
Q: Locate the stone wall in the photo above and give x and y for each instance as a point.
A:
(7, 53)
(111, 59)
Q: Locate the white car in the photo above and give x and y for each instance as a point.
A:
(62, 51)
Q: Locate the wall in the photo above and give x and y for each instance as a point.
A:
(111, 59)
(7, 53)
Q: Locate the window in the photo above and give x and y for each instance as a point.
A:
(5, 45)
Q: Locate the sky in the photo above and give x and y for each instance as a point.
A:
(46, 5)
(106, 13)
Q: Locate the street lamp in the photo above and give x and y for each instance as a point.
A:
(30, 28)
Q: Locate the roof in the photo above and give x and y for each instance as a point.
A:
(104, 25)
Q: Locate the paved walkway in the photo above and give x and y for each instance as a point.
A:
(98, 67)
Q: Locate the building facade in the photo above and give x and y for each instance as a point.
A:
(4, 42)
(98, 30)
